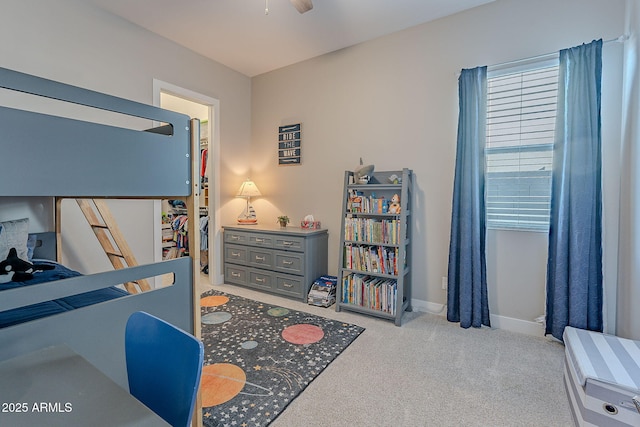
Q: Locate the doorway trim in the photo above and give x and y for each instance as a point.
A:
(215, 244)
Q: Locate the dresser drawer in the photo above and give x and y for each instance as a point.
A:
(262, 258)
(282, 261)
(235, 274)
(236, 254)
(289, 285)
(236, 237)
(261, 240)
(260, 279)
(289, 262)
(289, 243)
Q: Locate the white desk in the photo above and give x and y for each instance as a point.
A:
(55, 386)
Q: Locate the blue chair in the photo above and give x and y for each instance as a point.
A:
(164, 365)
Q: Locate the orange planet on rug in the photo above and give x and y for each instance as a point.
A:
(213, 301)
(220, 383)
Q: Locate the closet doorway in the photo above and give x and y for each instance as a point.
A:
(206, 109)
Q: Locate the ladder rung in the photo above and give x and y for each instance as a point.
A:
(111, 239)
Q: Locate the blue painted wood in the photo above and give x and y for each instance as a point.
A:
(58, 156)
(164, 365)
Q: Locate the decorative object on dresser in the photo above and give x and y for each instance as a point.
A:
(374, 275)
(248, 189)
(283, 261)
(310, 222)
(283, 220)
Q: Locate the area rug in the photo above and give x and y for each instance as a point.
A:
(259, 357)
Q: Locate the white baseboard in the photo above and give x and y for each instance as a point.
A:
(429, 307)
(517, 325)
(497, 321)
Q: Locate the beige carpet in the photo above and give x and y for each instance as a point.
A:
(429, 372)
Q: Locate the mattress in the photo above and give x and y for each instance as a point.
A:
(602, 378)
(49, 308)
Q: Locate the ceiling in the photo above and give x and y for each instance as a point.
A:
(238, 33)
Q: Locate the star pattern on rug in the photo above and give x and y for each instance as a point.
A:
(252, 369)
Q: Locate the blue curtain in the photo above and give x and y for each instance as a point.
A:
(574, 268)
(467, 289)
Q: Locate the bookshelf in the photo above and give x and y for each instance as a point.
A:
(374, 275)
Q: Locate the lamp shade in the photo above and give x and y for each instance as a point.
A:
(248, 189)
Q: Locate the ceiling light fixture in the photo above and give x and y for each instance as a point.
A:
(301, 6)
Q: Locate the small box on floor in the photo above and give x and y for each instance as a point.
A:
(323, 291)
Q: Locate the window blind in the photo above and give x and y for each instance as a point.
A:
(521, 116)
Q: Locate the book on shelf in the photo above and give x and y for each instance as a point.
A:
(372, 259)
(371, 230)
(375, 293)
(359, 203)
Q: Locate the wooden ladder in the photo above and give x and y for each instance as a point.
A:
(111, 239)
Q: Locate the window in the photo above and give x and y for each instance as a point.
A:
(521, 116)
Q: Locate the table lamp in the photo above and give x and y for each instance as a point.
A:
(247, 190)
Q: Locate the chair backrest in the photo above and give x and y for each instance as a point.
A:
(164, 365)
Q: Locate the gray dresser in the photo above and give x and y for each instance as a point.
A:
(282, 261)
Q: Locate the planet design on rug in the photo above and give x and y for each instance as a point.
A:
(278, 311)
(221, 382)
(213, 301)
(302, 334)
(248, 345)
(216, 317)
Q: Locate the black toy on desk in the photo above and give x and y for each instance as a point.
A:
(14, 269)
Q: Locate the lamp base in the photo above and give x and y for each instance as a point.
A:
(248, 216)
(247, 221)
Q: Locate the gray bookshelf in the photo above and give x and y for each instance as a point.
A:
(374, 273)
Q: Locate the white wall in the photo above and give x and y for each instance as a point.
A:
(629, 266)
(393, 101)
(73, 42)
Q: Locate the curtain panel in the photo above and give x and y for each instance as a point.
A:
(467, 300)
(574, 268)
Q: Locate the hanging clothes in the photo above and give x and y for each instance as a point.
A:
(204, 233)
(179, 226)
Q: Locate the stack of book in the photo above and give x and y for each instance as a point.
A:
(372, 259)
(375, 293)
(372, 230)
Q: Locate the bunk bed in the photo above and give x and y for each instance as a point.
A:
(64, 157)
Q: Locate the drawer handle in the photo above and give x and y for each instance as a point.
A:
(235, 253)
(259, 258)
(235, 237)
(259, 240)
(285, 262)
(286, 243)
(287, 285)
(234, 274)
(260, 280)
